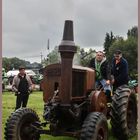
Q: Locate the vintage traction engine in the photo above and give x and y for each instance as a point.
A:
(72, 104)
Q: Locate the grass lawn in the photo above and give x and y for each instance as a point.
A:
(36, 103)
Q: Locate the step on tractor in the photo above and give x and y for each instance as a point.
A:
(73, 106)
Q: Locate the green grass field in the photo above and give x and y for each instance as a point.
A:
(36, 103)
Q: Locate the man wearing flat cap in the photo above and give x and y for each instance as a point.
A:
(22, 85)
(119, 70)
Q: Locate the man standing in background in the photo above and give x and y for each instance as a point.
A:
(22, 86)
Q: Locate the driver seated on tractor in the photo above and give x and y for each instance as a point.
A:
(119, 70)
(103, 73)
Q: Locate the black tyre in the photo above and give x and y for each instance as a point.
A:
(19, 125)
(124, 113)
(95, 127)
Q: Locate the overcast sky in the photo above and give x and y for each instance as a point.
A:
(28, 24)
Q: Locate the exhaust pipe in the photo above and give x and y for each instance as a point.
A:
(67, 49)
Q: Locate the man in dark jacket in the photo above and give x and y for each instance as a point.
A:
(119, 70)
(101, 67)
(21, 85)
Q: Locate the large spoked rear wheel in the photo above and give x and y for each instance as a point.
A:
(124, 113)
(95, 127)
(19, 125)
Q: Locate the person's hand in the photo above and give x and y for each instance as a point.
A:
(17, 93)
(112, 79)
(30, 90)
(108, 82)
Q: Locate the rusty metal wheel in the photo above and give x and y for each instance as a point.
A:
(19, 125)
(94, 127)
(124, 113)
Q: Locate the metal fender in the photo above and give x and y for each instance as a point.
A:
(98, 102)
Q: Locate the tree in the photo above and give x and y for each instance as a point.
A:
(52, 57)
(133, 32)
(107, 42)
(85, 59)
(6, 63)
(109, 39)
(14, 63)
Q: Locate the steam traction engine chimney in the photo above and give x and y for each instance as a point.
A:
(67, 49)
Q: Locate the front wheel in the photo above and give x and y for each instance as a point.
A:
(19, 125)
(95, 127)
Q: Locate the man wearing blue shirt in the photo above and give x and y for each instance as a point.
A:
(119, 70)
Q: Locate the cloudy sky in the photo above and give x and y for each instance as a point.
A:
(28, 24)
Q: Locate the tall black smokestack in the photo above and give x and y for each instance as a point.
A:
(68, 31)
(67, 49)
